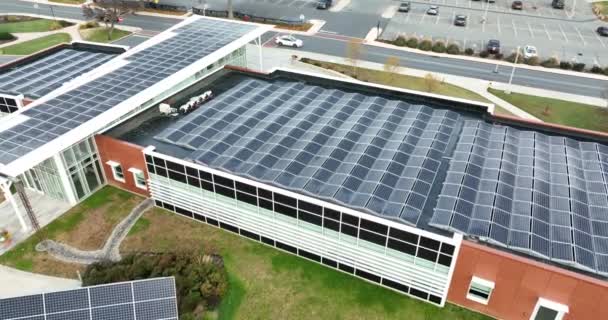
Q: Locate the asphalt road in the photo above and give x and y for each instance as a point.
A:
(325, 43)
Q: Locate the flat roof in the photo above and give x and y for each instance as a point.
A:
(39, 77)
(436, 165)
(114, 89)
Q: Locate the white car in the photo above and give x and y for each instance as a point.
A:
(288, 41)
(530, 51)
(433, 11)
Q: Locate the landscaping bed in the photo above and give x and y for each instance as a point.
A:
(601, 10)
(17, 24)
(559, 111)
(300, 27)
(100, 34)
(68, 1)
(398, 80)
(35, 45)
(86, 226)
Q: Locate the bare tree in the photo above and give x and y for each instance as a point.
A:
(109, 12)
(390, 66)
(431, 82)
(354, 50)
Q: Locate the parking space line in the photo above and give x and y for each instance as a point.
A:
(563, 33)
(498, 23)
(514, 27)
(580, 35)
(407, 18)
(530, 29)
(547, 31)
(422, 19)
(600, 39)
(437, 20)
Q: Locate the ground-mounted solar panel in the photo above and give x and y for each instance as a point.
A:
(147, 67)
(545, 195)
(151, 299)
(367, 152)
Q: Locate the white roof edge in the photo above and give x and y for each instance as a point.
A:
(93, 126)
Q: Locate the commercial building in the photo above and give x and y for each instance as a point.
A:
(430, 196)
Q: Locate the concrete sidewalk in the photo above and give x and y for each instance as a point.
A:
(20, 283)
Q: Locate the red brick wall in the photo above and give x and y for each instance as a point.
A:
(519, 282)
(128, 155)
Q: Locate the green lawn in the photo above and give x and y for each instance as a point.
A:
(101, 34)
(36, 25)
(29, 47)
(86, 226)
(265, 283)
(601, 8)
(559, 111)
(399, 80)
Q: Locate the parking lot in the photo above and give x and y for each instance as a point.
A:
(568, 38)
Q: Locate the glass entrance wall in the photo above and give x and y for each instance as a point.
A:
(45, 178)
(83, 169)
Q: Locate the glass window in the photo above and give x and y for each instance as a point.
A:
(480, 290)
(139, 178)
(116, 171)
(549, 310)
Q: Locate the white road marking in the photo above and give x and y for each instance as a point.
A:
(407, 18)
(530, 29)
(339, 6)
(437, 19)
(422, 19)
(600, 39)
(563, 33)
(389, 12)
(514, 27)
(498, 23)
(580, 35)
(547, 31)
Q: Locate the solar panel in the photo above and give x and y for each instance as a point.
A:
(150, 299)
(147, 67)
(376, 155)
(547, 195)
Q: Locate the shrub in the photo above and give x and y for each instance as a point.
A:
(533, 61)
(5, 36)
(412, 42)
(498, 56)
(439, 47)
(400, 41)
(469, 51)
(551, 63)
(425, 45)
(606, 71)
(201, 281)
(566, 65)
(597, 69)
(88, 25)
(453, 49)
(578, 66)
(484, 54)
(512, 56)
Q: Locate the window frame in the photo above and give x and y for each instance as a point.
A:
(113, 165)
(480, 282)
(555, 306)
(136, 172)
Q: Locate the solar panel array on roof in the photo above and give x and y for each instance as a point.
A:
(65, 112)
(37, 79)
(373, 154)
(546, 195)
(151, 299)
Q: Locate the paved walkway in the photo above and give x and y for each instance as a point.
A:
(15, 283)
(281, 58)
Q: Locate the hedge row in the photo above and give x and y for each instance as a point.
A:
(452, 48)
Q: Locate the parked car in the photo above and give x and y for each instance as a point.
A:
(404, 7)
(460, 20)
(602, 31)
(530, 51)
(288, 41)
(493, 46)
(557, 4)
(433, 10)
(491, 1)
(517, 5)
(324, 4)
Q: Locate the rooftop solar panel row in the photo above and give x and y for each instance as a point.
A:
(65, 112)
(151, 299)
(547, 195)
(373, 154)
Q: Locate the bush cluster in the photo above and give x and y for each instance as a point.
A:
(201, 281)
(439, 47)
(88, 25)
(5, 36)
(551, 63)
(425, 45)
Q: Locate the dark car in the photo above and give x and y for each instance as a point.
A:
(404, 7)
(324, 4)
(602, 31)
(517, 5)
(493, 46)
(557, 4)
(460, 20)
